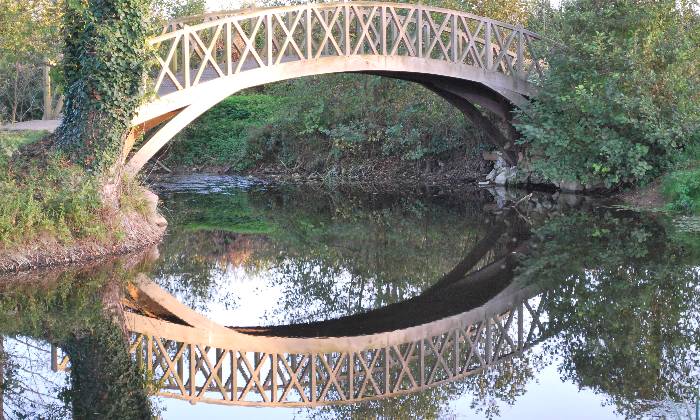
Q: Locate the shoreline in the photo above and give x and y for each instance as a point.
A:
(144, 231)
(135, 232)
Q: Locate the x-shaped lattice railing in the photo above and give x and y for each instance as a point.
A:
(199, 49)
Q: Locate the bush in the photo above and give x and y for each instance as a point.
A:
(329, 118)
(682, 189)
(220, 136)
(622, 95)
(681, 186)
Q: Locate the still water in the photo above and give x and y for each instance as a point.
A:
(297, 302)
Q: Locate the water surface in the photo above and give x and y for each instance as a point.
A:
(422, 304)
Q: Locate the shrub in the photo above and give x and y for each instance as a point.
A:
(622, 94)
(219, 136)
(682, 189)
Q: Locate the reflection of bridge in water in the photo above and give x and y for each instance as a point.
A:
(473, 319)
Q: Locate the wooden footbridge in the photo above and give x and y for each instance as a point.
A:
(464, 58)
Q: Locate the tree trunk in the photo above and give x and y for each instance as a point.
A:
(48, 112)
(59, 107)
(99, 104)
(15, 97)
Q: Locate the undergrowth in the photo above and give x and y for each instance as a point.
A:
(681, 186)
(221, 136)
(56, 199)
(46, 196)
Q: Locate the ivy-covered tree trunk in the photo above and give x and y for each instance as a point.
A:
(105, 61)
(105, 382)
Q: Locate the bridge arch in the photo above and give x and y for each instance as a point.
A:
(464, 58)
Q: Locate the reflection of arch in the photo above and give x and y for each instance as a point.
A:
(230, 367)
(201, 64)
(471, 319)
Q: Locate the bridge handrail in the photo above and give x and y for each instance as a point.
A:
(257, 11)
(327, 29)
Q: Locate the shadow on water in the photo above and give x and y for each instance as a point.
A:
(373, 305)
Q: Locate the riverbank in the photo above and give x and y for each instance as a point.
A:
(54, 213)
(126, 232)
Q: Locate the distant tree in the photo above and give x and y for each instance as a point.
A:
(29, 46)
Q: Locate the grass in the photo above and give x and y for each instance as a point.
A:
(54, 198)
(48, 196)
(10, 141)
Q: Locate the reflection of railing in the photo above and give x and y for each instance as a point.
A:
(216, 365)
(213, 46)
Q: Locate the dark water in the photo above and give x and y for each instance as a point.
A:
(308, 303)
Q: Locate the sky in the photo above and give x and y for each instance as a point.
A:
(214, 5)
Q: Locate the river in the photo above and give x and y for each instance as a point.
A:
(294, 301)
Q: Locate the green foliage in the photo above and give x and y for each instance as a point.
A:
(621, 96)
(221, 136)
(681, 185)
(316, 124)
(10, 141)
(173, 9)
(105, 62)
(682, 189)
(54, 198)
(31, 38)
(322, 121)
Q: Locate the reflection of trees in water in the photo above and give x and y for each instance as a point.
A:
(77, 310)
(350, 252)
(624, 296)
(626, 305)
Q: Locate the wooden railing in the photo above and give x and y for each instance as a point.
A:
(197, 49)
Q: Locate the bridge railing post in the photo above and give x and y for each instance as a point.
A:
(346, 10)
(268, 39)
(453, 40)
(419, 30)
(520, 63)
(186, 55)
(488, 49)
(383, 29)
(308, 33)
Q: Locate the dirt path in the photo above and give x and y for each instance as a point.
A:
(34, 125)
